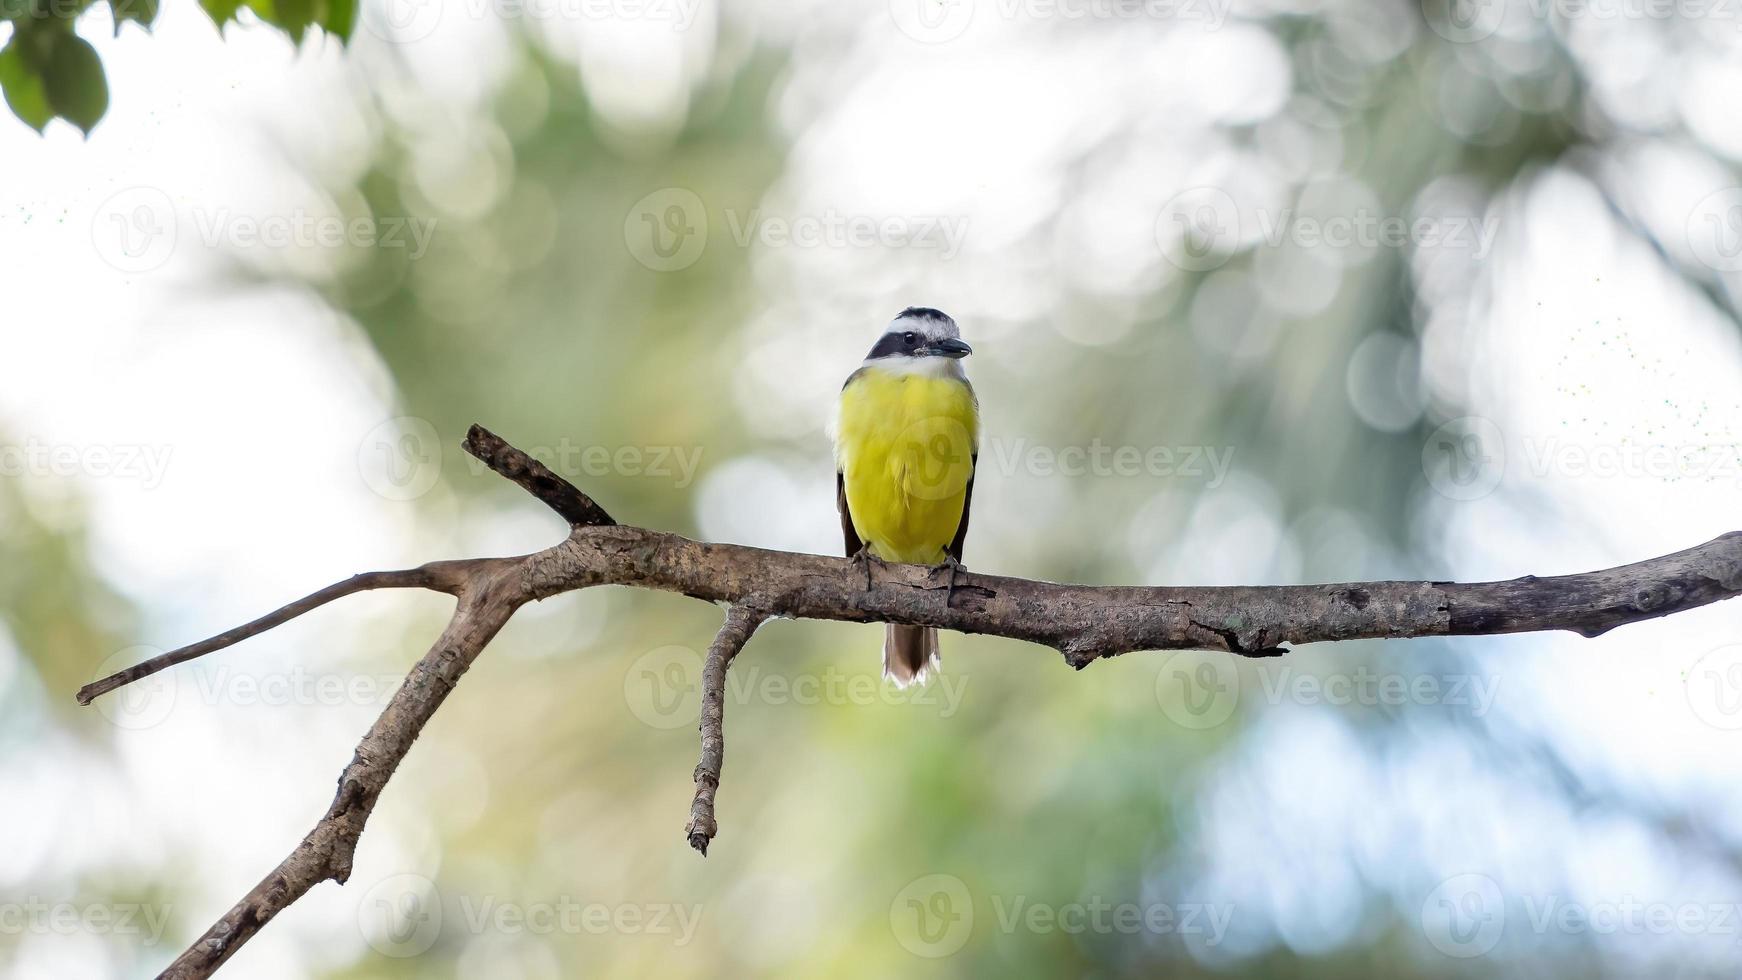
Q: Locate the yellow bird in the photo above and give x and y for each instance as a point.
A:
(905, 450)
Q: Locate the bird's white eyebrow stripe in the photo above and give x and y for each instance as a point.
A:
(926, 322)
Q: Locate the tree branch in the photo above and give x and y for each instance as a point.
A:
(443, 576)
(535, 478)
(1087, 622)
(1082, 622)
(741, 621)
(486, 603)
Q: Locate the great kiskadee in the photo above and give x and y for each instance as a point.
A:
(905, 449)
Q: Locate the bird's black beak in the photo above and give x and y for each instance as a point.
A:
(948, 348)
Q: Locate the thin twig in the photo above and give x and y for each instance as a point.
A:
(437, 576)
(741, 622)
(535, 478)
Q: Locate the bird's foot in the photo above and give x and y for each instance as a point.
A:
(865, 559)
(952, 565)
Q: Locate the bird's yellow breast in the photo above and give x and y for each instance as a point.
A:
(906, 447)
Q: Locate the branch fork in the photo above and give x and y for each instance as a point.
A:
(1084, 623)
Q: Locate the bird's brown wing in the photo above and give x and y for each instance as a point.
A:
(955, 548)
(848, 532)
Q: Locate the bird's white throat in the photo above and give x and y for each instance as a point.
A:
(930, 366)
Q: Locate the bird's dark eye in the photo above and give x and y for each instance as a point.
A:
(908, 338)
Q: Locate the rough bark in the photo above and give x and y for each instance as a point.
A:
(741, 621)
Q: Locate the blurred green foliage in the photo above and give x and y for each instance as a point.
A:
(53, 602)
(47, 71)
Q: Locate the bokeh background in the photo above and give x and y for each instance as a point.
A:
(1261, 292)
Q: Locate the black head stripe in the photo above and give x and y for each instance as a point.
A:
(888, 345)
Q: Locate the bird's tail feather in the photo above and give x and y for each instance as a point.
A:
(909, 653)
